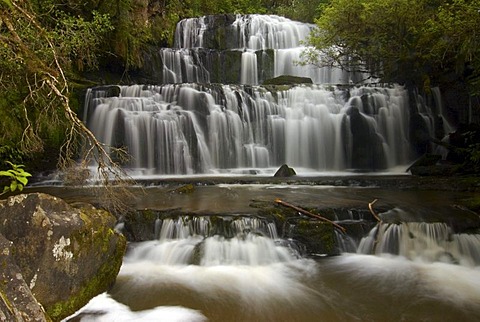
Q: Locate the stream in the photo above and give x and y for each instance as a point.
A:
(431, 273)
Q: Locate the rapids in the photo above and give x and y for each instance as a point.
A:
(186, 275)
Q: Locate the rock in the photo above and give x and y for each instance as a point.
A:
(67, 255)
(367, 144)
(318, 237)
(185, 189)
(16, 301)
(287, 80)
(285, 171)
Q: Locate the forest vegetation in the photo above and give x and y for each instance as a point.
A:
(51, 50)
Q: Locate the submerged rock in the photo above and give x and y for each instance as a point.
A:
(66, 255)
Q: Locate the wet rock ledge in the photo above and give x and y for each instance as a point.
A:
(55, 257)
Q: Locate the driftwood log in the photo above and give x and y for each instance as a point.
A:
(370, 206)
(308, 213)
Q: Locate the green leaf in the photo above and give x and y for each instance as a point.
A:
(6, 188)
(23, 173)
(13, 186)
(23, 180)
(20, 187)
(7, 174)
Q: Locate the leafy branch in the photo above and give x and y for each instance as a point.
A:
(18, 178)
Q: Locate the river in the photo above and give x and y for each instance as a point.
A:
(432, 272)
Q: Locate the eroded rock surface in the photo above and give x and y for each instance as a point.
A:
(66, 255)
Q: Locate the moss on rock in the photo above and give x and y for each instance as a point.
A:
(318, 237)
(66, 254)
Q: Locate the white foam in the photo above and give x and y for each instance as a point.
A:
(103, 308)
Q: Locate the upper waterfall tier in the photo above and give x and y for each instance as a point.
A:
(253, 32)
(238, 49)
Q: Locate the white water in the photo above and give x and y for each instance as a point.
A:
(205, 129)
(252, 36)
(189, 126)
(252, 278)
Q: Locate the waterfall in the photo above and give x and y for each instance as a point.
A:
(192, 124)
(245, 49)
(428, 242)
(204, 268)
(226, 241)
(212, 128)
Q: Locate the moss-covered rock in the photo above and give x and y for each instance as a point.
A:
(318, 237)
(67, 255)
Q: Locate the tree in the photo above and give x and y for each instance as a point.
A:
(405, 41)
(36, 58)
(456, 40)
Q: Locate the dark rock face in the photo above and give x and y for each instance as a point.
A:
(367, 145)
(419, 134)
(66, 255)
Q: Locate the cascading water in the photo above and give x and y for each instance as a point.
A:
(429, 242)
(245, 49)
(204, 128)
(189, 129)
(249, 274)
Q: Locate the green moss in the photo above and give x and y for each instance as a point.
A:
(318, 236)
(99, 283)
(149, 215)
(185, 189)
(472, 203)
(97, 231)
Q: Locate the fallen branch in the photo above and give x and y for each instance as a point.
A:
(370, 206)
(308, 213)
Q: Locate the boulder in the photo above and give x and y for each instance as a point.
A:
(285, 171)
(288, 80)
(66, 254)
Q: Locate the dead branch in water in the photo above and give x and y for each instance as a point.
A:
(370, 206)
(308, 213)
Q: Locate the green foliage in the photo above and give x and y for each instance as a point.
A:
(455, 43)
(17, 176)
(82, 39)
(7, 2)
(300, 10)
(407, 41)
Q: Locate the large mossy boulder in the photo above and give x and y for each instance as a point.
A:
(65, 254)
